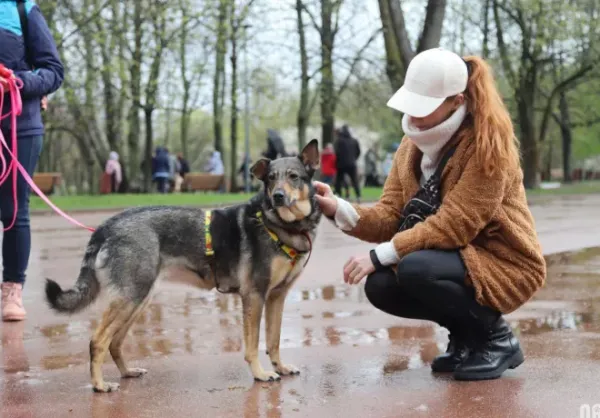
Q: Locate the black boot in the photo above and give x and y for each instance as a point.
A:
(456, 353)
(497, 350)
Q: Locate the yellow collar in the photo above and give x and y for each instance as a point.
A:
(207, 237)
(292, 253)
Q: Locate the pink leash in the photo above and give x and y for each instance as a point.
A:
(14, 166)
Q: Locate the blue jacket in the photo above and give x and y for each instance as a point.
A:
(48, 72)
(160, 163)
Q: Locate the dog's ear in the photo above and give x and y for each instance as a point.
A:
(310, 155)
(260, 168)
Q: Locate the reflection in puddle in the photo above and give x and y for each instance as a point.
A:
(329, 315)
(559, 321)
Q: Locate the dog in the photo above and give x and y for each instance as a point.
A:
(256, 249)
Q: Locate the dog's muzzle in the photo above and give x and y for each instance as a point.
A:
(278, 198)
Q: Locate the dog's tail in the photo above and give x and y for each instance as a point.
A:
(84, 292)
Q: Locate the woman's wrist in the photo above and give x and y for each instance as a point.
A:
(386, 253)
(346, 217)
(375, 260)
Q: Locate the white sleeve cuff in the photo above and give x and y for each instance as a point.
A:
(386, 253)
(346, 217)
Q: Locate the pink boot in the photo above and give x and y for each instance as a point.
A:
(12, 302)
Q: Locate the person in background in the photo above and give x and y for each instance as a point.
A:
(173, 170)
(328, 164)
(371, 171)
(184, 168)
(113, 170)
(275, 147)
(216, 167)
(247, 162)
(32, 58)
(161, 169)
(347, 151)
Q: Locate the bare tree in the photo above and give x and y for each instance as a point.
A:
(328, 29)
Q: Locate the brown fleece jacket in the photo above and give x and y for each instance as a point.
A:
(486, 217)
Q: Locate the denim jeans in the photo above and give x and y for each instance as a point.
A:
(16, 243)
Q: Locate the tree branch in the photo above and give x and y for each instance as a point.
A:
(312, 18)
(432, 28)
(355, 61)
(402, 40)
(504, 54)
(560, 87)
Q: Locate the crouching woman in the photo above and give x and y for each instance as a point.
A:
(456, 241)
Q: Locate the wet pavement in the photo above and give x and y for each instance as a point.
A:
(354, 360)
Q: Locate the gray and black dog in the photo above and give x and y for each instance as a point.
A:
(257, 249)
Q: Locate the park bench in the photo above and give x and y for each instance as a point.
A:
(47, 181)
(193, 182)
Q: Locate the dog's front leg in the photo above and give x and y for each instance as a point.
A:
(274, 313)
(252, 305)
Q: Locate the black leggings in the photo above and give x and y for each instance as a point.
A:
(430, 285)
(339, 180)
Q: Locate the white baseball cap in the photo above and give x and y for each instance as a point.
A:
(431, 77)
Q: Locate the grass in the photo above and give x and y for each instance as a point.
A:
(119, 201)
(90, 202)
(584, 187)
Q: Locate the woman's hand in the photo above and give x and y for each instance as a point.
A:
(325, 199)
(356, 268)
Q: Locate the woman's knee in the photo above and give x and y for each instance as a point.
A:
(414, 268)
(378, 286)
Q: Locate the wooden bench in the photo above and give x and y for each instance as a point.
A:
(47, 181)
(202, 182)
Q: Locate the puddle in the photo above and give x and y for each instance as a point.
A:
(559, 321)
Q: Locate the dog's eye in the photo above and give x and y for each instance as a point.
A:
(294, 176)
(272, 176)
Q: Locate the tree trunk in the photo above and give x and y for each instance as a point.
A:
(567, 138)
(219, 75)
(133, 140)
(486, 30)
(432, 27)
(303, 110)
(398, 48)
(394, 67)
(148, 149)
(327, 79)
(529, 147)
(185, 116)
(234, 108)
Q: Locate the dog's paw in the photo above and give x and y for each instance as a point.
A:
(134, 372)
(267, 377)
(287, 370)
(107, 387)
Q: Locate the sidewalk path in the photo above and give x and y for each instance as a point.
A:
(355, 361)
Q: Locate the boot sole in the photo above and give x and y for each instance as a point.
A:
(515, 361)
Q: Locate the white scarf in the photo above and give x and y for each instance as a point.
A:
(431, 141)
